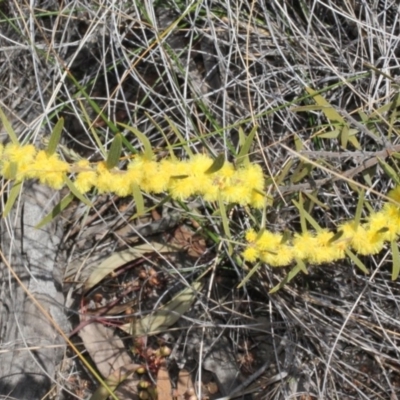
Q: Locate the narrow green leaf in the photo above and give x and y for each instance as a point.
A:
(284, 172)
(329, 135)
(396, 260)
(216, 165)
(55, 137)
(224, 217)
(307, 108)
(148, 151)
(286, 236)
(303, 171)
(357, 261)
(93, 130)
(180, 137)
(389, 171)
(316, 201)
(12, 197)
(360, 206)
(354, 141)
(179, 176)
(8, 128)
(61, 206)
(301, 265)
(367, 177)
(249, 275)
(344, 136)
(76, 192)
(242, 137)
(12, 173)
(300, 207)
(161, 130)
(138, 197)
(243, 156)
(298, 143)
(306, 216)
(292, 273)
(330, 113)
(335, 237)
(115, 152)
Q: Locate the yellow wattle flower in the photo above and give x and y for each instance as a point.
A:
(21, 156)
(50, 170)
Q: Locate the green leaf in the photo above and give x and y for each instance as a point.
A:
(249, 275)
(165, 316)
(180, 137)
(61, 206)
(302, 266)
(217, 164)
(335, 237)
(357, 261)
(76, 192)
(360, 206)
(292, 273)
(8, 128)
(13, 170)
(344, 136)
(115, 152)
(330, 113)
(225, 221)
(12, 197)
(283, 173)
(298, 143)
(305, 216)
(55, 137)
(243, 156)
(315, 200)
(389, 171)
(329, 135)
(396, 260)
(138, 197)
(148, 151)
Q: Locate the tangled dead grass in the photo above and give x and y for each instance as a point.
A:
(193, 76)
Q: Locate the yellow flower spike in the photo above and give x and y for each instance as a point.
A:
(258, 200)
(251, 235)
(183, 188)
(50, 170)
(366, 242)
(252, 176)
(199, 164)
(282, 256)
(392, 212)
(154, 180)
(251, 254)
(236, 193)
(23, 156)
(395, 194)
(304, 245)
(324, 251)
(85, 180)
(268, 241)
(103, 178)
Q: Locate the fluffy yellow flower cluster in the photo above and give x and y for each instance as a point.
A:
(26, 162)
(325, 246)
(182, 179)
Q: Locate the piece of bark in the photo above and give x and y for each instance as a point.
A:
(30, 345)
